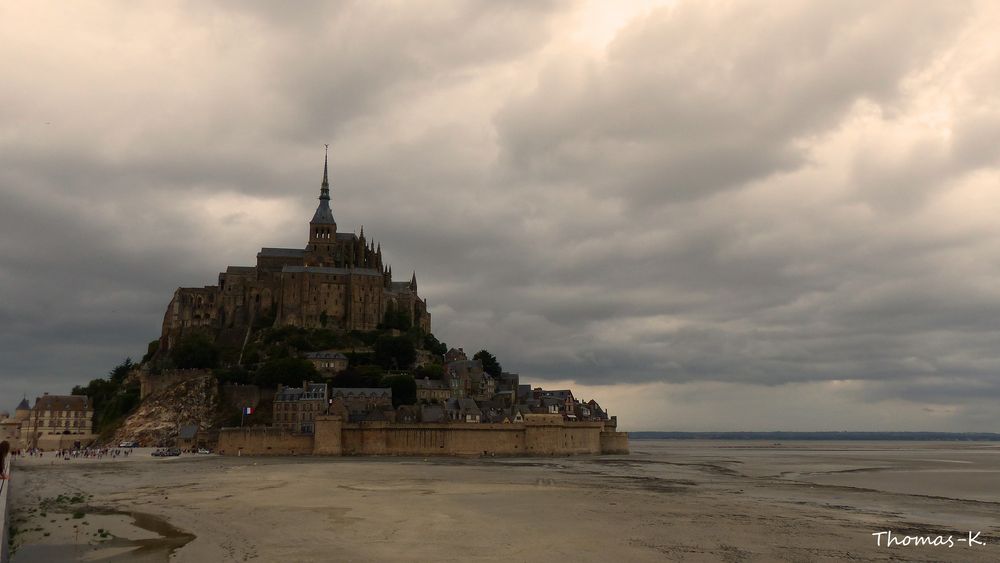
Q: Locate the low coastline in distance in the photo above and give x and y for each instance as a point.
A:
(821, 435)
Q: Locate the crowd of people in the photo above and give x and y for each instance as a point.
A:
(67, 454)
(95, 453)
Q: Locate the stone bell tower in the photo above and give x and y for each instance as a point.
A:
(323, 228)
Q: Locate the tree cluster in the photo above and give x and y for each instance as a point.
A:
(111, 397)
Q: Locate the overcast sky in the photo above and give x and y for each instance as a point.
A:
(706, 215)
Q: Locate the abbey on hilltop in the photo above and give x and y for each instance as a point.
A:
(338, 281)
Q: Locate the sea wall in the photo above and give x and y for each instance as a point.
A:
(457, 439)
(261, 440)
(542, 435)
(614, 442)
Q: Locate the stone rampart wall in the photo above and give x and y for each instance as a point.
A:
(614, 442)
(457, 439)
(263, 441)
(334, 437)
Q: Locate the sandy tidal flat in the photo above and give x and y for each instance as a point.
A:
(669, 500)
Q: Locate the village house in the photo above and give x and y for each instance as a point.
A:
(485, 388)
(455, 355)
(567, 404)
(464, 378)
(295, 408)
(361, 401)
(463, 410)
(432, 390)
(596, 411)
(506, 388)
(329, 361)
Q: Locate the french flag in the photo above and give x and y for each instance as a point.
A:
(247, 410)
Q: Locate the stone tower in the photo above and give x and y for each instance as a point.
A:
(23, 410)
(323, 228)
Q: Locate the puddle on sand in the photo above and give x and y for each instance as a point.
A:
(153, 550)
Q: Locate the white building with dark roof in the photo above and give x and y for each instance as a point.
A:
(57, 421)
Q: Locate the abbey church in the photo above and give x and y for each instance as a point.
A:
(338, 281)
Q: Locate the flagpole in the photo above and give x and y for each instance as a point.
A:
(243, 416)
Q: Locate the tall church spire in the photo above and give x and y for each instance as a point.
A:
(324, 215)
(324, 191)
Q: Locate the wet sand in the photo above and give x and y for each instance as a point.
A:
(669, 500)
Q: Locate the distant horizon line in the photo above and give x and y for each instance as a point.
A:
(875, 435)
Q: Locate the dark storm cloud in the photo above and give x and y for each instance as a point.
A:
(725, 200)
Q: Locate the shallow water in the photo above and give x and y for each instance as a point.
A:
(156, 549)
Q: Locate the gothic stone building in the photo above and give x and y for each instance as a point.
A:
(337, 281)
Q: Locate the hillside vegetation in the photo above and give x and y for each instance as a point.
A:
(271, 357)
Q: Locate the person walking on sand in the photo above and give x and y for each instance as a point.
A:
(4, 451)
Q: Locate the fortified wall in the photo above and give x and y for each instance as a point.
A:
(539, 435)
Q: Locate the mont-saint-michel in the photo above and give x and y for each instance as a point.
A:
(315, 351)
(640, 280)
(338, 290)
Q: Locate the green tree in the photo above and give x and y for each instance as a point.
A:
(100, 392)
(404, 389)
(490, 363)
(359, 376)
(111, 399)
(115, 409)
(429, 371)
(236, 375)
(195, 351)
(118, 374)
(434, 346)
(284, 371)
(394, 352)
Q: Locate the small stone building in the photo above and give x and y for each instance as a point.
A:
(363, 400)
(432, 390)
(295, 408)
(328, 361)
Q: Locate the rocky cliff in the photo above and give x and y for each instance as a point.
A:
(159, 418)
